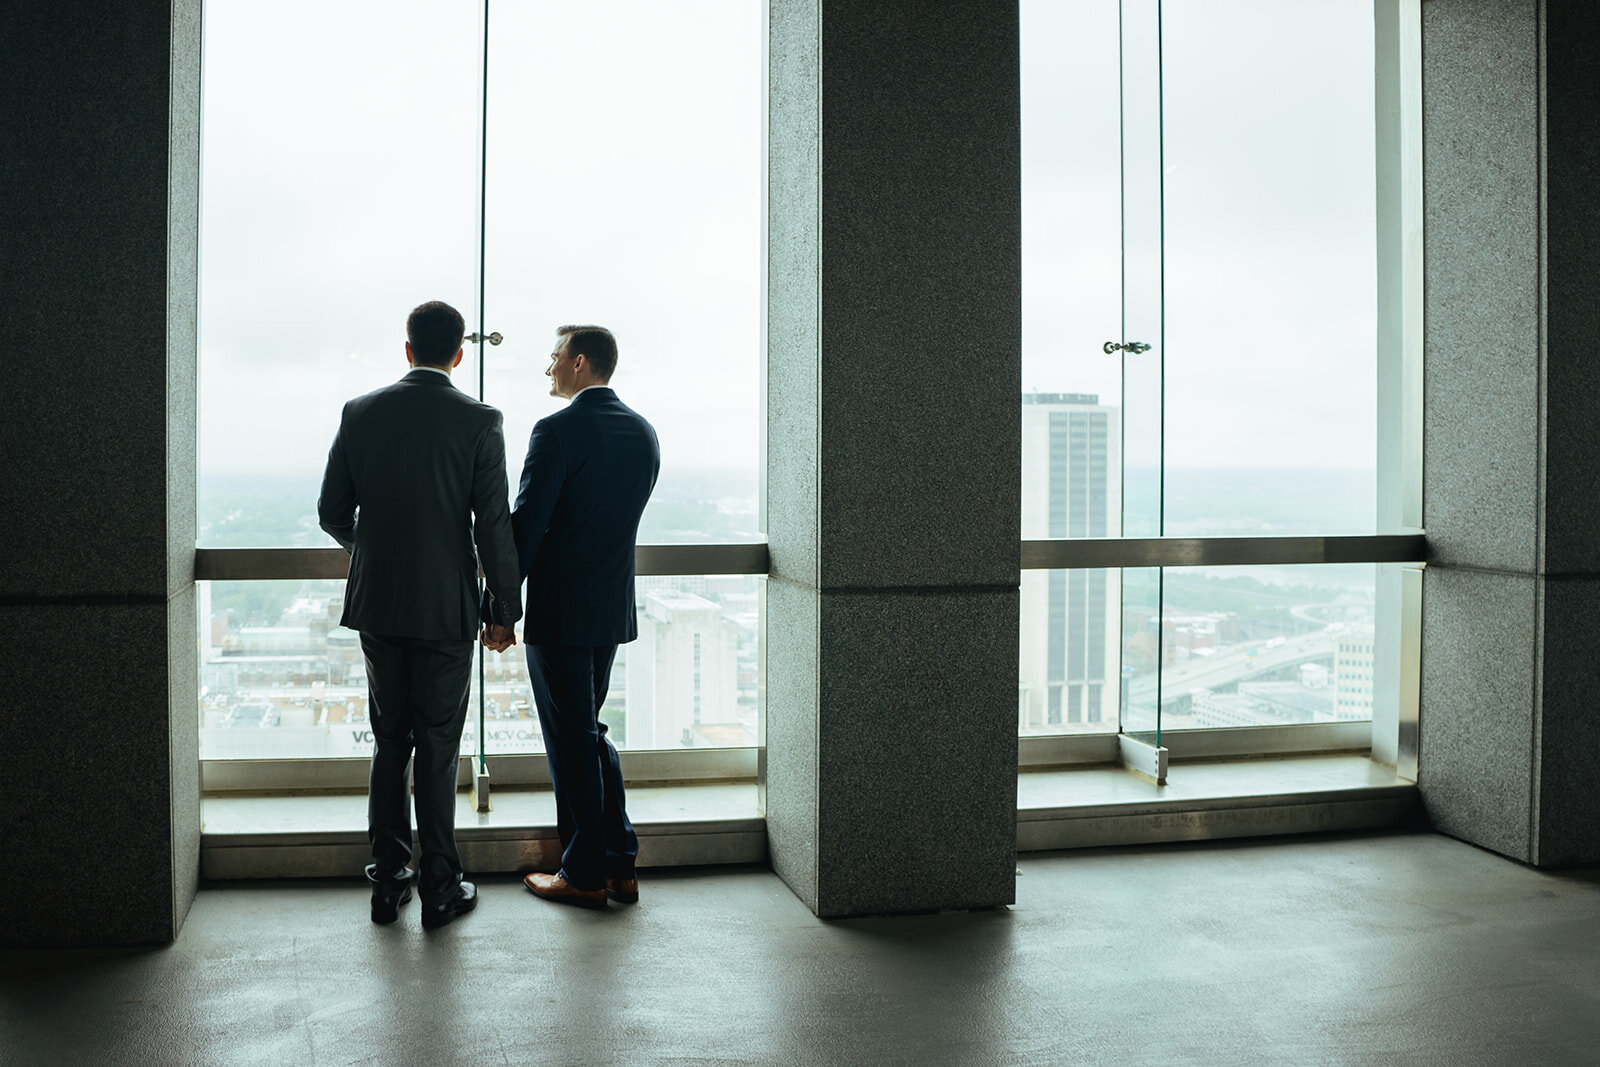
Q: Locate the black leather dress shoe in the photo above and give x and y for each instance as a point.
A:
(463, 901)
(388, 895)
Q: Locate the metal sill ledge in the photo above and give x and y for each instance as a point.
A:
(1206, 800)
(325, 836)
(720, 823)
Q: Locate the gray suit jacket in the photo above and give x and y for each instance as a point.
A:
(425, 465)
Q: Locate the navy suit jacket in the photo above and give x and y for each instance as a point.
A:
(425, 465)
(587, 478)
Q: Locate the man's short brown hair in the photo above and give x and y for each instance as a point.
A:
(435, 330)
(594, 342)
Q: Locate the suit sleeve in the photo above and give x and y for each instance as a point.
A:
(491, 529)
(543, 473)
(336, 504)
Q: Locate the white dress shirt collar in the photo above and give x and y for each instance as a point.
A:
(436, 370)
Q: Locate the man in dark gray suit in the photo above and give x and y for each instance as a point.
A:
(588, 475)
(425, 466)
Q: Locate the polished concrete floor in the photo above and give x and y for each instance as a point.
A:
(1368, 949)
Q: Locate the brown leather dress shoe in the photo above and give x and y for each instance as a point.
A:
(556, 888)
(623, 890)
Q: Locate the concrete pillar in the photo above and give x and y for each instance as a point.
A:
(99, 193)
(893, 469)
(1510, 741)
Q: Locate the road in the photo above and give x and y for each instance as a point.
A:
(1234, 664)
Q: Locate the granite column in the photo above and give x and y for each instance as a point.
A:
(893, 452)
(1510, 738)
(100, 197)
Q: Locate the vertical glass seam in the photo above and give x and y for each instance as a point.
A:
(483, 345)
(1122, 321)
(1161, 356)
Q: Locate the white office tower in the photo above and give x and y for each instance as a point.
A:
(682, 672)
(1071, 459)
(1352, 674)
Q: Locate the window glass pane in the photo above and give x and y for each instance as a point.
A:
(1071, 265)
(332, 202)
(1270, 268)
(1266, 646)
(1070, 446)
(281, 679)
(691, 680)
(624, 189)
(1141, 653)
(1069, 679)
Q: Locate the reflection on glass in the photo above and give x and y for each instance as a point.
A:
(1069, 676)
(1270, 247)
(1267, 646)
(332, 202)
(281, 679)
(628, 194)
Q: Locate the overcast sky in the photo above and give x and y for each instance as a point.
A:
(623, 188)
(341, 187)
(1267, 137)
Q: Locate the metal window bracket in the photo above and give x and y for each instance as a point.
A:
(480, 787)
(1143, 758)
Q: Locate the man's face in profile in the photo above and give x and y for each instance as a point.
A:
(560, 370)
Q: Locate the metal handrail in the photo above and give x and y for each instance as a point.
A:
(1129, 552)
(269, 564)
(272, 564)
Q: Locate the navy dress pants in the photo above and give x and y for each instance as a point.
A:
(569, 687)
(417, 703)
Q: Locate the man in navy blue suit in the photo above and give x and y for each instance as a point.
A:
(588, 475)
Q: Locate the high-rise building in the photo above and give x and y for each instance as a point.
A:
(1352, 674)
(1071, 449)
(682, 673)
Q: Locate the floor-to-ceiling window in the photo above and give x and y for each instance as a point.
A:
(1200, 362)
(534, 165)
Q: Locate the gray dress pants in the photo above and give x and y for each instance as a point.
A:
(417, 704)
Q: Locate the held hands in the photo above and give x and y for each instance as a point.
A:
(498, 638)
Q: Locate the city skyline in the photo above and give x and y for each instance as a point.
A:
(281, 680)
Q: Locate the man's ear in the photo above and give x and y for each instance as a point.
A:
(409, 357)
(453, 363)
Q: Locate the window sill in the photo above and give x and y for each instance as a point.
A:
(1089, 807)
(311, 836)
(326, 836)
